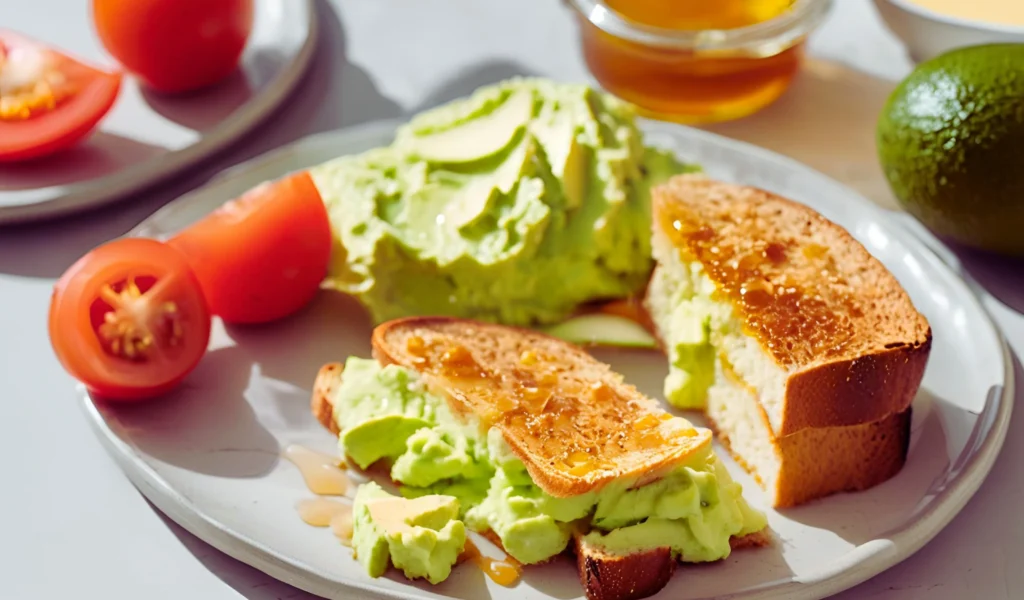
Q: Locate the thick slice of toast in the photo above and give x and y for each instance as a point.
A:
(566, 415)
(814, 382)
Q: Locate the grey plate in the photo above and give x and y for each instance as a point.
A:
(208, 455)
(148, 137)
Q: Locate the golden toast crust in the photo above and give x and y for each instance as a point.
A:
(327, 381)
(633, 576)
(572, 421)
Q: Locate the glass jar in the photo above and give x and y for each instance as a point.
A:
(693, 75)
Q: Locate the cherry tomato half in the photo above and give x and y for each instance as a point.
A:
(263, 256)
(48, 100)
(175, 45)
(129, 319)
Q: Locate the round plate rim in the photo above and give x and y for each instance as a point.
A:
(874, 557)
(154, 171)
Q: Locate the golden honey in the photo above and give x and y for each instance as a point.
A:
(755, 275)
(503, 572)
(694, 61)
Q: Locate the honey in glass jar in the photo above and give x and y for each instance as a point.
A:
(696, 61)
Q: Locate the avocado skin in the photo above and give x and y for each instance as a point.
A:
(951, 143)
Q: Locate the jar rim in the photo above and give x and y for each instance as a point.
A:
(783, 30)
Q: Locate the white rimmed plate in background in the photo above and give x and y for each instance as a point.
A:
(928, 33)
(147, 136)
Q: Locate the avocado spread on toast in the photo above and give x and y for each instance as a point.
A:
(386, 414)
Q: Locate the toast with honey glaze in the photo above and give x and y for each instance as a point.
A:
(802, 348)
(552, 402)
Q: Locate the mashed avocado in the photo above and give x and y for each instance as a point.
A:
(422, 537)
(515, 205)
(697, 328)
(694, 509)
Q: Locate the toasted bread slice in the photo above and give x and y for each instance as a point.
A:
(604, 575)
(823, 341)
(568, 417)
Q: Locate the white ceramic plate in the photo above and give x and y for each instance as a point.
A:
(208, 455)
(147, 136)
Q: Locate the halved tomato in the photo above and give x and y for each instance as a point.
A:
(263, 256)
(48, 100)
(129, 319)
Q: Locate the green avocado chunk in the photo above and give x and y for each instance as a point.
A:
(421, 537)
(386, 409)
(516, 204)
(691, 357)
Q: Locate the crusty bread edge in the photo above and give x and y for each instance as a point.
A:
(639, 575)
(328, 378)
(865, 389)
(890, 435)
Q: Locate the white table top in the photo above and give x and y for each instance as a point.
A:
(71, 525)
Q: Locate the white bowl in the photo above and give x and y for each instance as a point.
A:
(927, 33)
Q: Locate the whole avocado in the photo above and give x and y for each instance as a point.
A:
(951, 143)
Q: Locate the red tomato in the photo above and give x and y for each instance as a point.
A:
(263, 256)
(48, 100)
(175, 45)
(129, 319)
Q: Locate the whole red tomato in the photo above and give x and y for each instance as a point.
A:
(175, 45)
(261, 257)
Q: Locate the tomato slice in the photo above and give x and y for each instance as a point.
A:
(129, 319)
(263, 256)
(48, 100)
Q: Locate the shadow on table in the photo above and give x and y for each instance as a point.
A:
(468, 80)
(205, 109)
(1001, 276)
(333, 93)
(99, 155)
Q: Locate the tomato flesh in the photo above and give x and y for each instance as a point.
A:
(129, 319)
(263, 256)
(75, 97)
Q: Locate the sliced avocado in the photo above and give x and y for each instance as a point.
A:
(477, 199)
(480, 138)
(603, 330)
(575, 174)
(568, 158)
(380, 437)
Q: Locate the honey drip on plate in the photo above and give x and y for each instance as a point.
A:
(322, 472)
(321, 512)
(503, 572)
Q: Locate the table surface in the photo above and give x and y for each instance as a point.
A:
(70, 522)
